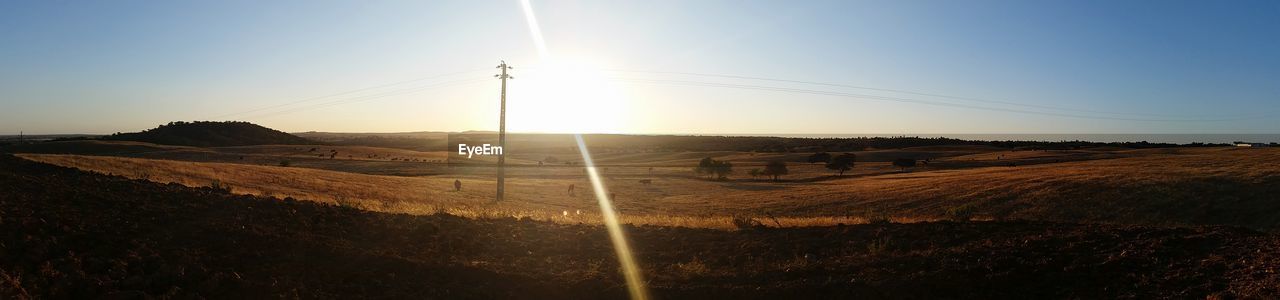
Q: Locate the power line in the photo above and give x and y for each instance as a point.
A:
(348, 92)
(973, 99)
(371, 97)
(904, 100)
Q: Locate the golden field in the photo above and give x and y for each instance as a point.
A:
(1154, 186)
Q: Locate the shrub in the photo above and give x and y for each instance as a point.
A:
(284, 163)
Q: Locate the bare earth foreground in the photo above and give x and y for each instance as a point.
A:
(68, 233)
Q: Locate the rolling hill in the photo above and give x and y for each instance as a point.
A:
(212, 134)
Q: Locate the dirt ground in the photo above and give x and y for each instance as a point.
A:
(71, 234)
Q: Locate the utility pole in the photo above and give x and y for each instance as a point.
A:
(502, 130)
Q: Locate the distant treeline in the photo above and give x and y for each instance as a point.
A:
(781, 144)
(211, 134)
(675, 143)
(233, 133)
(408, 143)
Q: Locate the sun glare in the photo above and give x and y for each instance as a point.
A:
(564, 96)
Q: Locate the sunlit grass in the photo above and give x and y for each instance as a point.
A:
(1157, 186)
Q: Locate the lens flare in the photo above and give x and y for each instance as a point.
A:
(534, 30)
(631, 271)
(635, 280)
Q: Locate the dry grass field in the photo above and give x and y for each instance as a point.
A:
(69, 234)
(1153, 186)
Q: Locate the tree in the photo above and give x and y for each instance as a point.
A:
(820, 157)
(704, 166)
(842, 163)
(775, 168)
(711, 167)
(904, 163)
(754, 173)
(721, 168)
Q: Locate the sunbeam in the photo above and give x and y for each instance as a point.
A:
(631, 271)
(635, 281)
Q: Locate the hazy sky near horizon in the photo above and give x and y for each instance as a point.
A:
(1021, 66)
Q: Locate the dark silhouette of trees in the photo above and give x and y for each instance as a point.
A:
(722, 169)
(212, 134)
(719, 168)
(820, 157)
(904, 163)
(829, 145)
(704, 166)
(775, 168)
(842, 163)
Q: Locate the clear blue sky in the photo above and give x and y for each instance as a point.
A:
(1054, 66)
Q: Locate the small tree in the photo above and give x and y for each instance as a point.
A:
(842, 163)
(820, 157)
(704, 166)
(721, 168)
(775, 168)
(754, 173)
(711, 167)
(904, 163)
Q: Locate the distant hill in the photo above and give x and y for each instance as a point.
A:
(212, 134)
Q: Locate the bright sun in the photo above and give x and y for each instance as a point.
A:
(563, 96)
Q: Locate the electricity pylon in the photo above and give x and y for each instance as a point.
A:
(502, 130)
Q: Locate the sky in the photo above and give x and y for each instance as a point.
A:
(922, 67)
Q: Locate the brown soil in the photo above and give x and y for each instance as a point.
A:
(71, 234)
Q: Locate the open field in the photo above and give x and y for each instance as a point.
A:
(1189, 186)
(70, 234)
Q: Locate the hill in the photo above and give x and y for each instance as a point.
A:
(72, 234)
(212, 134)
